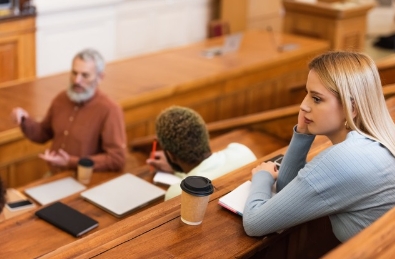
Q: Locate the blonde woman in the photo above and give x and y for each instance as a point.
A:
(353, 181)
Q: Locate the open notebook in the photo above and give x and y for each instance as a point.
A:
(123, 194)
(236, 199)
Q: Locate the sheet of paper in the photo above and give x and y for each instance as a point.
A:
(166, 178)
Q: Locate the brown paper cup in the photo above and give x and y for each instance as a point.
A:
(84, 174)
(193, 208)
(195, 195)
(85, 170)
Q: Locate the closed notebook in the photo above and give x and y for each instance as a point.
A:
(66, 218)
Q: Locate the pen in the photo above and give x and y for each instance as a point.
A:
(153, 154)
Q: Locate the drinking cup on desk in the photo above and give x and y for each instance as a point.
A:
(195, 195)
(84, 170)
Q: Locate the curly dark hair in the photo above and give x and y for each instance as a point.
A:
(183, 132)
(2, 195)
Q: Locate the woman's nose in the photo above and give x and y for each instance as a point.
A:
(304, 105)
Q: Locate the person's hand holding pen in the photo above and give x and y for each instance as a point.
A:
(159, 162)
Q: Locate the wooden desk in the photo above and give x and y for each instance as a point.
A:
(28, 222)
(221, 234)
(342, 23)
(155, 231)
(31, 237)
(251, 80)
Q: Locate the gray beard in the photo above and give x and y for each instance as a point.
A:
(80, 97)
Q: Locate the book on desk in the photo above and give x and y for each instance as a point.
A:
(66, 218)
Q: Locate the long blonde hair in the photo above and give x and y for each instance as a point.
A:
(354, 79)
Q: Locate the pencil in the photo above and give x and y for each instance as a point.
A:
(152, 169)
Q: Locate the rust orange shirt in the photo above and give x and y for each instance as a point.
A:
(93, 129)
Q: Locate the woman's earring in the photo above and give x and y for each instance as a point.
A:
(346, 125)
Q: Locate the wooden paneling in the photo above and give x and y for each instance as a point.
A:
(17, 49)
(8, 62)
(235, 13)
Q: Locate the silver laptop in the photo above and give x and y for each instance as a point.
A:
(231, 44)
(124, 194)
(55, 190)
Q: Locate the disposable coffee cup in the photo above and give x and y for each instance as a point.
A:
(84, 170)
(195, 195)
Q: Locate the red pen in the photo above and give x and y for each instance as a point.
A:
(152, 169)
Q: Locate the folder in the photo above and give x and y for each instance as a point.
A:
(66, 218)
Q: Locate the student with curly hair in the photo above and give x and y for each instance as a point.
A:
(183, 136)
(353, 181)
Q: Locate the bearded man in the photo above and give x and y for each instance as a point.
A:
(81, 121)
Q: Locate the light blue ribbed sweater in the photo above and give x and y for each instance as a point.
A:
(352, 182)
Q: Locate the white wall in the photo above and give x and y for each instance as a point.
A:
(117, 28)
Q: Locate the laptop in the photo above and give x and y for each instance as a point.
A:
(55, 190)
(231, 44)
(123, 195)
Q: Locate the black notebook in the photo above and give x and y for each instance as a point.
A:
(66, 218)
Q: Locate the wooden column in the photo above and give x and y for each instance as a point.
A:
(251, 14)
(343, 23)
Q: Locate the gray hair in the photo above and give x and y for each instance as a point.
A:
(92, 55)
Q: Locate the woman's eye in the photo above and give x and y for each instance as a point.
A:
(316, 99)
